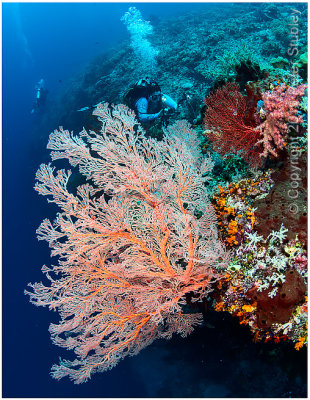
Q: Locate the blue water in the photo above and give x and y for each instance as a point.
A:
(55, 41)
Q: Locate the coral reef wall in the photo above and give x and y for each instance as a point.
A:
(199, 48)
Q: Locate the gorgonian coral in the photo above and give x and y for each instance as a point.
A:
(227, 130)
(131, 246)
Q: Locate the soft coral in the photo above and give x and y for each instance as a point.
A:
(227, 130)
(280, 107)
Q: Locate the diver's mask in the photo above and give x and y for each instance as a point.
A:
(156, 97)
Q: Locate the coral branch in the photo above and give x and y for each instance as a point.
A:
(129, 249)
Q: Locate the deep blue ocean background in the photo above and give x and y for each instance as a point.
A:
(55, 41)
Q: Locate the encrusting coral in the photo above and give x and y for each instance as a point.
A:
(265, 286)
(131, 246)
(235, 214)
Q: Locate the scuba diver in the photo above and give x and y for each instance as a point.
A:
(148, 102)
(41, 94)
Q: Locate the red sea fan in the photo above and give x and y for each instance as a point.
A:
(130, 248)
(226, 128)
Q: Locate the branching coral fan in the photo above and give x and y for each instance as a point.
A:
(227, 130)
(132, 246)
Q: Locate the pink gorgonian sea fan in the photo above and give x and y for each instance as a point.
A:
(132, 245)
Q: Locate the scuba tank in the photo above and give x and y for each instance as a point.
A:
(142, 88)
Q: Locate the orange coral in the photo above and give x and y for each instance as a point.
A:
(300, 342)
(130, 247)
